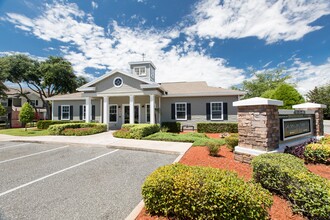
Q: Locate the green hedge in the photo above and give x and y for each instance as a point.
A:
(317, 153)
(136, 131)
(77, 129)
(217, 127)
(174, 127)
(192, 192)
(287, 175)
(44, 124)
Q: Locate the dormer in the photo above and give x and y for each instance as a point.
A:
(143, 69)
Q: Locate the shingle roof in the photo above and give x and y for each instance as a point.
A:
(196, 89)
(71, 96)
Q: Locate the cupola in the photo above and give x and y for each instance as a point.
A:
(143, 69)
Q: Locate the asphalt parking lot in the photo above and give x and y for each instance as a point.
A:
(56, 181)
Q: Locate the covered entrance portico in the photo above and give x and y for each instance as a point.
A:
(116, 109)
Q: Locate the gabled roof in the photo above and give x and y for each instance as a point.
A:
(200, 88)
(12, 92)
(85, 87)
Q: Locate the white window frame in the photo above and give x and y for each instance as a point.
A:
(116, 113)
(83, 112)
(139, 70)
(146, 113)
(176, 115)
(211, 112)
(65, 119)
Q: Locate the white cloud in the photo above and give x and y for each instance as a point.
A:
(94, 5)
(269, 20)
(87, 45)
(307, 76)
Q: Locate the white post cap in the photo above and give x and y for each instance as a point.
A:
(309, 105)
(258, 101)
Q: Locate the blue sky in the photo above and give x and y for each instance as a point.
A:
(220, 42)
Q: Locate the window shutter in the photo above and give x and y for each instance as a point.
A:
(93, 112)
(225, 111)
(59, 112)
(71, 112)
(37, 103)
(173, 111)
(188, 111)
(208, 111)
(80, 112)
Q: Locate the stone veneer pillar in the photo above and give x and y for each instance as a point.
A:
(258, 127)
(318, 117)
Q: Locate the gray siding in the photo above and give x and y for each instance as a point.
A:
(130, 85)
(76, 105)
(198, 109)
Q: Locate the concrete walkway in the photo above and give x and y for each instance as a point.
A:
(107, 139)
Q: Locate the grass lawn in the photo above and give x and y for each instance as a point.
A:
(22, 132)
(198, 139)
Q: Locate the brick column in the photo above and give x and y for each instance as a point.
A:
(318, 116)
(258, 127)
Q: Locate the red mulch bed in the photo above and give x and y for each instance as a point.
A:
(198, 156)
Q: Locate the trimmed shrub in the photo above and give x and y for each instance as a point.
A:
(192, 192)
(76, 129)
(317, 153)
(122, 133)
(231, 141)
(44, 124)
(231, 127)
(138, 131)
(299, 149)
(287, 175)
(213, 148)
(174, 127)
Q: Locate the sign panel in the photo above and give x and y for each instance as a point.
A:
(295, 127)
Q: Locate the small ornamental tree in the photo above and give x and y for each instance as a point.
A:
(286, 93)
(2, 110)
(26, 114)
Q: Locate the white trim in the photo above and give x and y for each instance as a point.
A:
(82, 114)
(87, 89)
(146, 113)
(139, 72)
(211, 113)
(201, 94)
(116, 113)
(110, 74)
(142, 62)
(62, 119)
(53, 106)
(299, 135)
(309, 105)
(123, 112)
(181, 119)
(114, 82)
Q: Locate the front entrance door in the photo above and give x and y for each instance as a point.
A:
(136, 114)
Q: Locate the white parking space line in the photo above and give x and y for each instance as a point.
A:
(55, 173)
(16, 145)
(30, 155)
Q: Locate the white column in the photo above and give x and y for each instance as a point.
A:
(159, 110)
(88, 109)
(106, 111)
(101, 111)
(152, 109)
(52, 110)
(131, 109)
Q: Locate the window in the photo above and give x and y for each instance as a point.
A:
(4, 102)
(118, 82)
(216, 111)
(84, 112)
(147, 113)
(181, 111)
(34, 103)
(65, 112)
(140, 71)
(113, 113)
